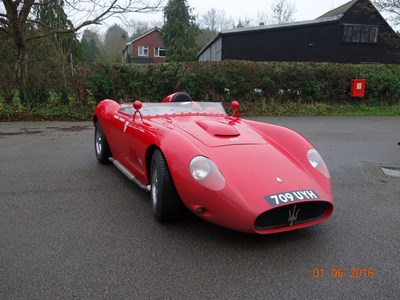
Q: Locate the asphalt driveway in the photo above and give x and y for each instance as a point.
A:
(71, 228)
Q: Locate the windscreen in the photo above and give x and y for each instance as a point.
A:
(154, 109)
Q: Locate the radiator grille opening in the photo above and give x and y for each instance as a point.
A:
(292, 214)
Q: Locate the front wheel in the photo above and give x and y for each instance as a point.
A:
(102, 149)
(165, 202)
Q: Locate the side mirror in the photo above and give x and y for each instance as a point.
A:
(235, 108)
(137, 105)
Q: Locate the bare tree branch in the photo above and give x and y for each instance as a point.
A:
(25, 11)
(90, 12)
(4, 21)
(5, 31)
(215, 20)
(390, 6)
(18, 20)
(283, 11)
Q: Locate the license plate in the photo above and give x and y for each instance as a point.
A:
(294, 196)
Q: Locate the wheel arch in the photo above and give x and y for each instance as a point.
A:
(149, 155)
(282, 137)
(169, 145)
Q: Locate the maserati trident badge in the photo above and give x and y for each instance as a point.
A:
(293, 215)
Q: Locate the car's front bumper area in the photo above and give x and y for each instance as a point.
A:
(293, 216)
(231, 210)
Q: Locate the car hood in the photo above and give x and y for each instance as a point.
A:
(218, 131)
(271, 170)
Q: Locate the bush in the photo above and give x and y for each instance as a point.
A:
(263, 82)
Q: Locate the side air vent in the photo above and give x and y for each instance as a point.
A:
(218, 128)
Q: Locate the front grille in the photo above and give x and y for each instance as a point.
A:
(293, 214)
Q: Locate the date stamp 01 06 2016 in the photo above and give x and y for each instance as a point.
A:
(337, 273)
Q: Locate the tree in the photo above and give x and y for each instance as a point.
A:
(215, 20)
(263, 18)
(19, 21)
(210, 19)
(283, 11)
(115, 39)
(179, 31)
(49, 15)
(90, 46)
(211, 23)
(243, 23)
(390, 6)
(137, 28)
(7, 86)
(204, 37)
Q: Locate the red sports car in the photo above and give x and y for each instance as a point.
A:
(240, 174)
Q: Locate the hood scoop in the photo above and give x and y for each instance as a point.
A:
(217, 128)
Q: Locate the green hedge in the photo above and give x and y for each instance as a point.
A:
(302, 83)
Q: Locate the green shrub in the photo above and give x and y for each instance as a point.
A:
(261, 82)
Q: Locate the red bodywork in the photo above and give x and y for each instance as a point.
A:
(270, 185)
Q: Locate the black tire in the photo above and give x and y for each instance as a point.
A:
(165, 202)
(101, 147)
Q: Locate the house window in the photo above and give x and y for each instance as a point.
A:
(143, 51)
(160, 52)
(363, 34)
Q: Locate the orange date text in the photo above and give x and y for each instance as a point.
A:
(337, 273)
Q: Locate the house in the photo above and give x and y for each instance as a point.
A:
(147, 48)
(353, 33)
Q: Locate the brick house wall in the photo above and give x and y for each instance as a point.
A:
(149, 43)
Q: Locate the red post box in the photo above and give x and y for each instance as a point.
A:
(357, 88)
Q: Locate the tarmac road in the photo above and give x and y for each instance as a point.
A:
(71, 228)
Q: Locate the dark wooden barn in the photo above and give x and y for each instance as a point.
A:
(353, 33)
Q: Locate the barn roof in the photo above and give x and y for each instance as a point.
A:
(282, 25)
(341, 10)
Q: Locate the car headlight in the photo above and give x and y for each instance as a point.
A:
(317, 162)
(205, 172)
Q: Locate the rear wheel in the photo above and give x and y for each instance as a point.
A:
(165, 202)
(102, 149)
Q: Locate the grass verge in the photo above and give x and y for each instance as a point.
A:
(247, 109)
(317, 109)
(9, 114)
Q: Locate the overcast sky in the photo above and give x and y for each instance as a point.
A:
(306, 9)
(251, 9)
(247, 10)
